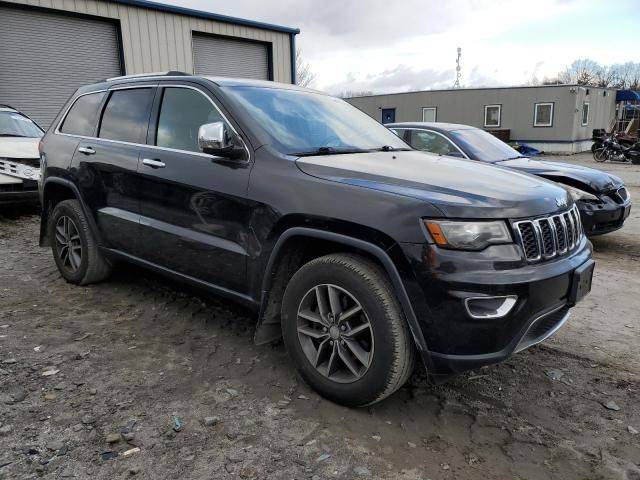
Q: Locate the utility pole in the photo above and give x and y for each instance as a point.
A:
(458, 73)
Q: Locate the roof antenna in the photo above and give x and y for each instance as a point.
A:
(458, 74)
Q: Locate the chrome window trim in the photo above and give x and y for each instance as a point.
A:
(424, 129)
(155, 85)
(66, 112)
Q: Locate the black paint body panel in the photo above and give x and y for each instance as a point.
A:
(221, 224)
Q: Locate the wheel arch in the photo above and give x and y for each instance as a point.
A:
(54, 191)
(284, 256)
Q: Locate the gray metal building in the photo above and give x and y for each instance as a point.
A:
(48, 48)
(556, 118)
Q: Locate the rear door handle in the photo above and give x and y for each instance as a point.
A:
(87, 150)
(153, 163)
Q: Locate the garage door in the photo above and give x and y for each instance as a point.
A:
(45, 56)
(224, 57)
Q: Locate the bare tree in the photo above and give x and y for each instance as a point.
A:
(354, 93)
(304, 75)
(588, 72)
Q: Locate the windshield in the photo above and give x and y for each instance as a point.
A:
(13, 124)
(301, 122)
(483, 146)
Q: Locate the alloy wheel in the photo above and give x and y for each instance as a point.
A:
(335, 333)
(68, 244)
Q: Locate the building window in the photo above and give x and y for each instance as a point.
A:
(429, 114)
(492, 115)
(543, 115)
(585, 114)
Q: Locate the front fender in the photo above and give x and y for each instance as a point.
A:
(266, 332)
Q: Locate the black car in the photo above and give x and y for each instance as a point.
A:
(602, 199)
(364, 254)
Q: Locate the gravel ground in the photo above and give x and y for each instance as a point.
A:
(93, 379)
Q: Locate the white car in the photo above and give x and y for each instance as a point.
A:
(19, 157)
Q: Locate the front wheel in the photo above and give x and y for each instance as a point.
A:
(345, 331)
(600, 154)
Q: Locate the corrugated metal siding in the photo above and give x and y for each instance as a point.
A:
(158, 41)
(223, 57)
(44, 57)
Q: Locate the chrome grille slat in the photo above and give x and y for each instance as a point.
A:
(548, 237)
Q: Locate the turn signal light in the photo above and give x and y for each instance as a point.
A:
(436, 233)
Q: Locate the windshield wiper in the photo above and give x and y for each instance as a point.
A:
(511, 158)
(389, 148)
(12, 135)
(329, 151)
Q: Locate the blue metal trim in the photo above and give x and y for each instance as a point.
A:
(206, 15)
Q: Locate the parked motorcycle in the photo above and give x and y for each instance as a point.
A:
(613, 148)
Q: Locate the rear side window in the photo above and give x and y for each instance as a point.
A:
(182, 113)
(81, 119)
(126, 115)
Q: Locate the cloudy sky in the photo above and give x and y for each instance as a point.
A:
(387, 46)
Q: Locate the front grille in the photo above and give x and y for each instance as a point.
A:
(546, 237)
(620, 196)
(25, 168)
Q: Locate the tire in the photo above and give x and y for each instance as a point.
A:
(378, 329)
(86, 264)
(599, 154)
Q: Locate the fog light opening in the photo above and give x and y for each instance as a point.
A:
(490, 307)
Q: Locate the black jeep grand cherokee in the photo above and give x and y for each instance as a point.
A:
(363, 254)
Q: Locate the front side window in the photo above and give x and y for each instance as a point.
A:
(182, 113)
(429, 114)
(543, 115)
(585, 114)
(301, 122)
(432, 142)
(126, 115)
(492, 115)
(14, 124)
(81, 119)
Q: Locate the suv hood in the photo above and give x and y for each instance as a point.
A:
(596, 180)
(459, 188)
(19, 147)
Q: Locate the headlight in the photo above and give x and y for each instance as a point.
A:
(578, 194)
(465, 235)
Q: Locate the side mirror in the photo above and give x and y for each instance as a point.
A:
(214, 139)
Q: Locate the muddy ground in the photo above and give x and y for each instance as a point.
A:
(125, 358)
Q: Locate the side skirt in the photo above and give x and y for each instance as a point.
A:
(238, 297)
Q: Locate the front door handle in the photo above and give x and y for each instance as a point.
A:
(153, 163)
(87, 150)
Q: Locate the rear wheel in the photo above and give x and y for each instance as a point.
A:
(75, 251)
(345, 331)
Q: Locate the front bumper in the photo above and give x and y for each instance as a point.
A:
(445, 278)
(603, 216)
(19, 195)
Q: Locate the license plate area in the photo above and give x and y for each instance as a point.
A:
(581, 282)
